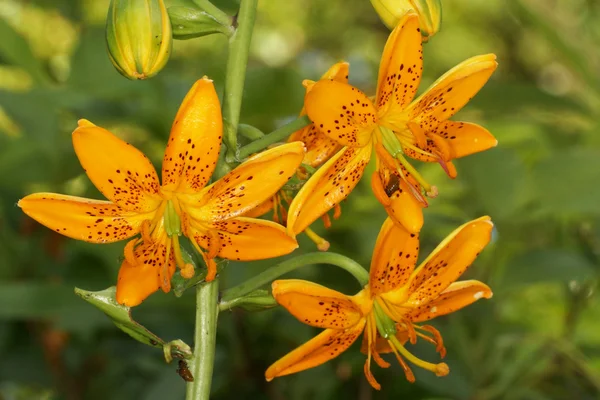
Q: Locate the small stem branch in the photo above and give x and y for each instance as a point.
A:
(276, 136)
(219, 15)
(235, 73)
(205, 337)
(354, 268)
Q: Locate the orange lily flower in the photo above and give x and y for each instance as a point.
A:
(211, 216)
(319, 149)
(389, 310)
(394, 125)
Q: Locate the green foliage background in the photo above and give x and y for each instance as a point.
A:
(538, 338)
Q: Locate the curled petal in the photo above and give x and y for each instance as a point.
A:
(465, 138)
(246, 239)
(449, 261)
(247, 186)
(317, 305)
(452, 91)
(327, 345)
(342, 112)
(456, 296)
(394, 258)
(331, 184)
(401, 67)
(195, 141)
(120, 171)
(261, 209)
(89, 220)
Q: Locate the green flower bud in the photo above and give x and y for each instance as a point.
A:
(429, 11)
(138, 34)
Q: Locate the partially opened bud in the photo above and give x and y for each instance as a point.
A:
(429, 11)
(138, 34)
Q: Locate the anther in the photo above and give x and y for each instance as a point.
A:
(321, 243)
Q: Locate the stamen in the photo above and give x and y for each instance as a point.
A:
(337, 211)
(407, 371)
(165, 283)
(440, 369)
(321, 243)
(326, 221)
(371, 335)
(412, 334)
(437, 338)
(129, 252)
(211, 266)
(187, 269)
(146, 231)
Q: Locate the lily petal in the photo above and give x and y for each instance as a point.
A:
(319, 148)
(317, 305)
(249, 185)
(401, 66)
(195, 141)
(452, 91)
(327, 345)
(247, 239)
(120, 171)
(465, 138)
(338, 72)
(394, 258)
(331, 184)
(342, 112)
(89, 220)
(456, 296)
(449, 261)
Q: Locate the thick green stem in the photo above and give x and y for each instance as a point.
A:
(276, 136)
(201, 365)
(235, 73)
(215, 12)
(354, 268)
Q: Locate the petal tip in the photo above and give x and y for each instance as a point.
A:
(84, 123)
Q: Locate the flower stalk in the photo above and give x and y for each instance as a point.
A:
(205, 337)
(235, 73)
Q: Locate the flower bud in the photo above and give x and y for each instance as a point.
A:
(138, 34)
(429, 11)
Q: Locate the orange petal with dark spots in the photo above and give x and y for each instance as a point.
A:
(342, 112)
(338, 72)
(195, 141)
(89, 220)
(456, 296)
(120, 171)
(394, 258)
(466, 138)
(247, 186)
(317, 305)
(405, 209)
(261, 209)
(319, 148)
(331, 184)
(452, 91)
(449, 261)
(401, 67)
(247, 239)
(327, 345)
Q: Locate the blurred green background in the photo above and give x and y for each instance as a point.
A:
(538, 338)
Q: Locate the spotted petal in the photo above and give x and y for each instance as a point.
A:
(331, 184)
(318, 305)
(456, 296)
(327, 345)
(89, 220)
(120, 171)
(449, 261)
(319, 147)
(401, 67)
(342, 112)
(246, 239)
(195, 140)
(247, 186)
(394, 258)
(465, 138)
(452, 91)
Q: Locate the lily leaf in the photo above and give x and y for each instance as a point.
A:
(121, 315)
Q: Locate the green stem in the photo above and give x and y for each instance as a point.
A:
(276, 136)
(205, 335)
(235, 73)
(286, 266)
(219, 15)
